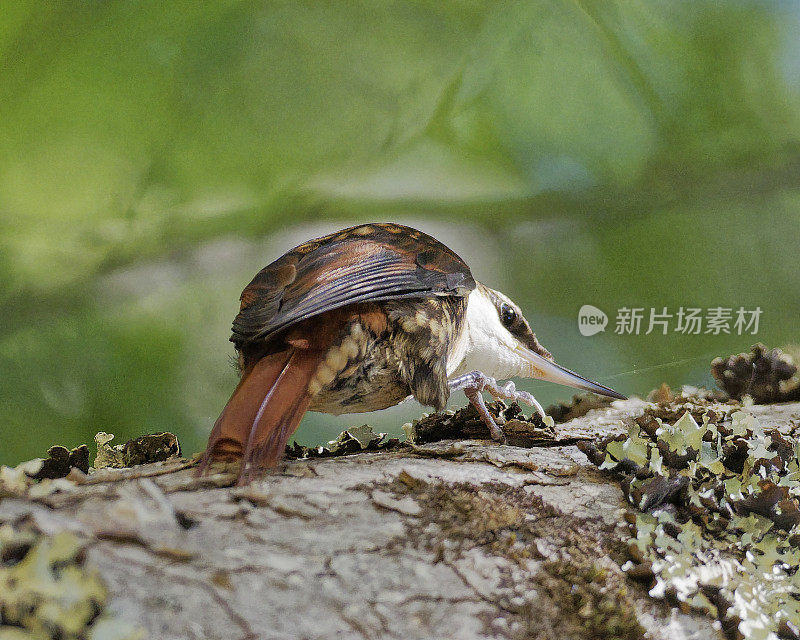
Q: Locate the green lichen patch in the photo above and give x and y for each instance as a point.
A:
(698, 406)
(46, 592)
(565, 583)
(154, 447)
(718, 527)
(352, 440)
(465, 423)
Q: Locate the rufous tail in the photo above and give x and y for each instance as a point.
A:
(263, 411)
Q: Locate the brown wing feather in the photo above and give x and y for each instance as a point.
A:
(365, 263)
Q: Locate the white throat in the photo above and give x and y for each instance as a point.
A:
(485, 345)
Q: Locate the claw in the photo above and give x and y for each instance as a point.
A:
(475, 382)
(476, 400)
(527, 398)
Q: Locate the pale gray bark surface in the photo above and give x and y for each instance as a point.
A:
(368, 545)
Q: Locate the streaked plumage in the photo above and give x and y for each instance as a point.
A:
(359, 320)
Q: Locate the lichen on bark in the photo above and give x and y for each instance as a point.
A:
(458, 537)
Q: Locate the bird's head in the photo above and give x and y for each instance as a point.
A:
(501, 344)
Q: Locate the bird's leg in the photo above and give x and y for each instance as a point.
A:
(475, 382)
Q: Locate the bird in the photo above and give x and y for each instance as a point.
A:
(358, 321)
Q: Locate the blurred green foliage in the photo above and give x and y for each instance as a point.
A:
(153, 156)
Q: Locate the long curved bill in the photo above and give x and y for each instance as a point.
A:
(545, 369)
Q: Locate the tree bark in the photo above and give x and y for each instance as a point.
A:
(452, 539)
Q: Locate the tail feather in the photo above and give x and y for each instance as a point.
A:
(263, 411)
(271, 449)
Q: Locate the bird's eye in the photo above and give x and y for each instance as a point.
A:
(507, 314)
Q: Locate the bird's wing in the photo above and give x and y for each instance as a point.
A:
(365, 263)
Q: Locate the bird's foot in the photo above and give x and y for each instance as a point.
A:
(475, 382)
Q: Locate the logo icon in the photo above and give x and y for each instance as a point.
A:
(591, 320)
